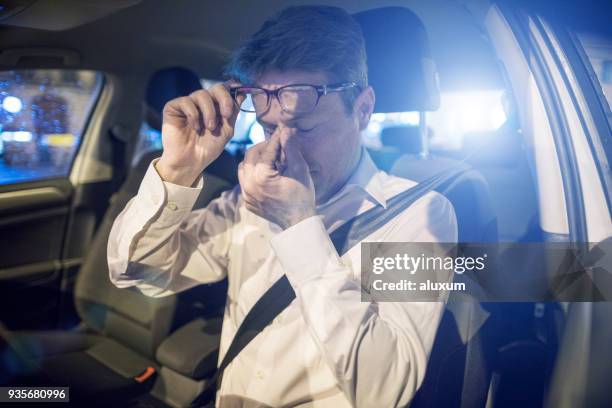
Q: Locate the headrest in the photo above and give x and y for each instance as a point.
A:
(400, 67)
(165, 85)
(406, 139)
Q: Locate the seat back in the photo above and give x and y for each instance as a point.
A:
(127, 316)
(469, 194)
(404, 79)
(135, 320)
(396, 142)
(400, 67)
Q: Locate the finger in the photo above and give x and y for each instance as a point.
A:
(240, 170)
(184, 109)
(271, 151)
(223, 98)
(252, 155)
(245, 184)
(241, 177)
(207, 106)
(232, 83)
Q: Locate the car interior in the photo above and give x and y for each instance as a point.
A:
(63, 322)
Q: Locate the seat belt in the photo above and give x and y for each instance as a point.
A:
(281, 293)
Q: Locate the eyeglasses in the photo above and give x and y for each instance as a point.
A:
(295, 98)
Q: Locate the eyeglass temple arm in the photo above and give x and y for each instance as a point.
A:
(337, 87)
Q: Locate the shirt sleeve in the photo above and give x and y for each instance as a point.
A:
(158, 245)
(377, 351)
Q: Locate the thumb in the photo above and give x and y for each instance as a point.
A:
(230, 122)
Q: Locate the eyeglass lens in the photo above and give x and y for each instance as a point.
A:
(292, 99)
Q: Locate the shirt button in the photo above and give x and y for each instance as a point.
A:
(172, 206)
(259, 375)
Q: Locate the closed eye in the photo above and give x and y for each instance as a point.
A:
(305, 130)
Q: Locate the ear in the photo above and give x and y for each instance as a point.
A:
(364, 106)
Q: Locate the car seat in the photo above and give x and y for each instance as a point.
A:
(121, 330)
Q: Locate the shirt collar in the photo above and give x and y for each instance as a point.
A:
(366, 177)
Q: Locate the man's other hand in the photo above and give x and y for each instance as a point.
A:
(275, 180)
(195, 130)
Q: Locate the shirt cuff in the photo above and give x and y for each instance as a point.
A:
(165, 202)
(177, 200)
(305, 251)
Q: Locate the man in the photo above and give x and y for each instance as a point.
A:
(304, 73)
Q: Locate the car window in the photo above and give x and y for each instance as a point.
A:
(464, 114)
(43, 114)
(460, 114)
(371, 136)
(599, 52)
(149, 139)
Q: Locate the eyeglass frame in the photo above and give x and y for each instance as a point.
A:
(321, 91)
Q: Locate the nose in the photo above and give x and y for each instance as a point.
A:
(275, 116)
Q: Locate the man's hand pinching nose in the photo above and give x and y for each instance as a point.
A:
(275, 180)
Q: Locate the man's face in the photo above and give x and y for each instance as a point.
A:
(328, 137)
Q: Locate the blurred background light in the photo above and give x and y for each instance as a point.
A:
(19, 136)
(12, 104)
(465, 112)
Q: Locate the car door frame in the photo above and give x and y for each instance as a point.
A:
(39, 295)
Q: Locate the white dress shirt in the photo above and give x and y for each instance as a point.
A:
(328, 348)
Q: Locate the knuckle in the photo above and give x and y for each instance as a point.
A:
(258, 148)
(220, 88)
(198, 94)
(171, 104)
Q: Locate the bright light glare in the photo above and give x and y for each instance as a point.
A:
(498, 116)
(12, 104)
(396, 118)
(374, 127)
(465, 112)
(257, 134)
(471, 117)
(20, 136)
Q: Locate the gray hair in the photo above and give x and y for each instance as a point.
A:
(305, 38)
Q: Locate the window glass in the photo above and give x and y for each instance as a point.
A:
(149, 139)
(599, 51)
(461, 114)
(371, 136)
(43, 114)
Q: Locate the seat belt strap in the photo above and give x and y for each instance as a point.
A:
(281, 293)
